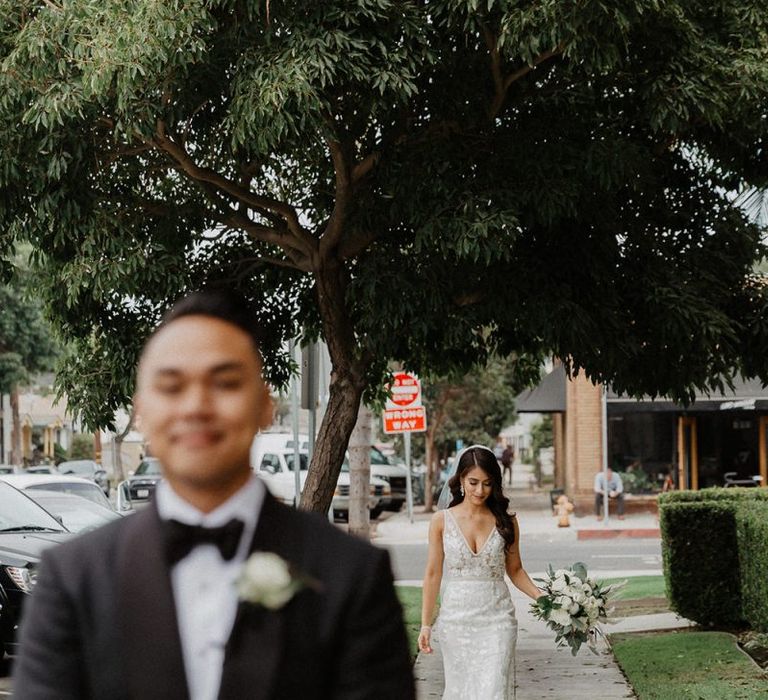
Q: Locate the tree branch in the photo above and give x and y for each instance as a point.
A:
(272, 261)
(491, 42)
(335, 227)
(469, 298)
(365, 166)
(550, 53)
(501, 82)
(356, 243)
(303, 240)
(298, 259)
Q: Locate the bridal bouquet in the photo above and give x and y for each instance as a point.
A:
(573, 605)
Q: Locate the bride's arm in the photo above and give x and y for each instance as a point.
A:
(433, 574)
(514, 565)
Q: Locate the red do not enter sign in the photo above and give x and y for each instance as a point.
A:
(405, 390)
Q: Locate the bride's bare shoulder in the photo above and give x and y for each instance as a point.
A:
(437, 520)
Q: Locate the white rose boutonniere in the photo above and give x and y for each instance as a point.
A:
(266, 579)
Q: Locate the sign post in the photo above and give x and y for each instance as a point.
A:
(404, 414)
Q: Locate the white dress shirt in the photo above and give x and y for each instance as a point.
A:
(204, 583)
(614, 483)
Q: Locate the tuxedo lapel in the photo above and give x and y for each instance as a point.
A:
(152, 655)
(257, 642)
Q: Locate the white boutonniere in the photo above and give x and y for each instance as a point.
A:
(266, 579)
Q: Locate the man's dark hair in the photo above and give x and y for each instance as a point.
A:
(222, 304)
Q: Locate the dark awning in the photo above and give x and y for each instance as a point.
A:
(547, 397)
(747, 395)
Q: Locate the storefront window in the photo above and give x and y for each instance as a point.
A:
(728, 442)
(642, 449)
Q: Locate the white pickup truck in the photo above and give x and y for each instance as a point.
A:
(272, 457)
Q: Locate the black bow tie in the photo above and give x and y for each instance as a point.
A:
(180, 539)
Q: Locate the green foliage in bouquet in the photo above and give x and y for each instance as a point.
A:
(573, 605)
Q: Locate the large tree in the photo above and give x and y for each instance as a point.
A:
(431, 182)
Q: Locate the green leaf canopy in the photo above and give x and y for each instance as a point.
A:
(431, 182)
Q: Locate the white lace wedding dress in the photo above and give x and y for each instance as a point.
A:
(476, 627)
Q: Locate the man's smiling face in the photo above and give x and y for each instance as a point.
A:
(201, 399)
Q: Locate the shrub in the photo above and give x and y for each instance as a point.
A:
(701, 562)
(752, 535)
(714, 494)
(59, 453)
(81, 447)
(636, 481)
(715, 559)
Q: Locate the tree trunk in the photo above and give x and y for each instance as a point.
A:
(16, 453)
(345, 389)
(117, 454)
(360, 474)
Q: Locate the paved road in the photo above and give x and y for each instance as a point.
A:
(624, 554)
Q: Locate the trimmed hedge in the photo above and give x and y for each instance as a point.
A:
(752, 536)
(714, 494)
(701, 561)
(715, 554)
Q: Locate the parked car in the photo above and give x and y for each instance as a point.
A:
(396, 475)
(272, 458)
(76, 513)
(382, 467)
(10, 469)
(41, 469)
(140, 486)
(87, 469)
(58, 482)
(26, 529)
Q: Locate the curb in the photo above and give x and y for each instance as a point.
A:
(652, 532)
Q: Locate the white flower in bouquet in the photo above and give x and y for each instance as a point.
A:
(573, 606)
(561, 617)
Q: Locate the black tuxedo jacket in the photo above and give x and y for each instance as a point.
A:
(101, 622)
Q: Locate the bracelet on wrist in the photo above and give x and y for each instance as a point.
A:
(426, 627)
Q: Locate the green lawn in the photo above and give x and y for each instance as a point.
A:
(410, 599)
(689, 664)
(639, 587)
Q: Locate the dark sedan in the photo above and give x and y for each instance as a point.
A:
(141, 484)
(26, 529)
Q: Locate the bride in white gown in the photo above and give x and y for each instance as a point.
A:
(478, 541)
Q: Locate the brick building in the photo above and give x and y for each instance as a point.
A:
(695, 446)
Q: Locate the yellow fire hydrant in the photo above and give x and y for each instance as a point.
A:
(563, 509)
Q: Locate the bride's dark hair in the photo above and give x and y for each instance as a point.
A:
(497, 502)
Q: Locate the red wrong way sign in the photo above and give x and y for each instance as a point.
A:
(405, 391)
(405, 420)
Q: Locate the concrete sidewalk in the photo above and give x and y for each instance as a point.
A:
(543, 670)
